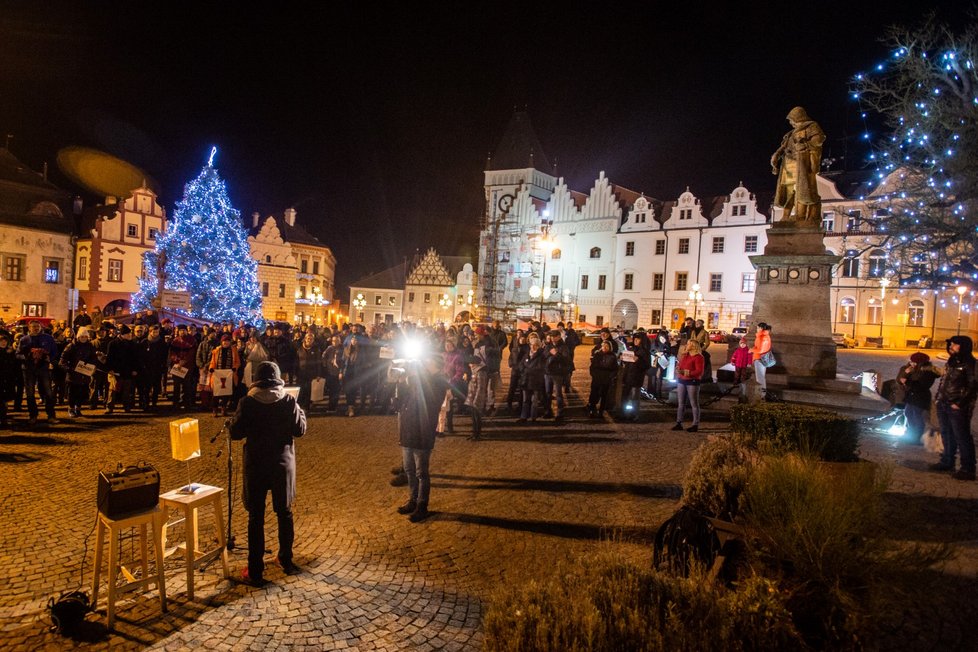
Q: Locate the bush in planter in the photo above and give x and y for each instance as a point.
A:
(717, 476)
(606, 603)
(821, 532)
(783, 428)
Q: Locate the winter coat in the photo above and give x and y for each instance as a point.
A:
(183, 352)
(333, 360)
(152, 356)
(604, 366)
(204, 350)
(9, 373)
(268, 420)
(532, 370)
(957, 385)
(73, 354)
(741, 357)
(122, 358)
(559, 363)
(419, 402)
(762, 343)
(517, 353)
(702, 336)
(453, 367)
(694, 366)
(222, 358)
(308, 362)
(634, 374)
(917, 387)
(37, 351)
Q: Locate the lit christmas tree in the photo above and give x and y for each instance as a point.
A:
(205, 252)
(926, 155)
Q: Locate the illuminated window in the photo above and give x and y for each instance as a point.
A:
(555, 254)
(877, 263)
(52, 271)
(115, 270)
(915, 313)
(847, 310)
(850, 265)
(748, 282)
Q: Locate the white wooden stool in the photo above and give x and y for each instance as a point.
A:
(113, 527)
(189, 504)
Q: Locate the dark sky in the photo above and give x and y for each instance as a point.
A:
(374, 123)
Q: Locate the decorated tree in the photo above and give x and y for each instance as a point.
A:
(925, 98)
(205, 252)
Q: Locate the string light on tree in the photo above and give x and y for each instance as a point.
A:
(205, 252)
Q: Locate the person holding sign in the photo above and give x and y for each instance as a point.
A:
(224, 366)
(79, 360)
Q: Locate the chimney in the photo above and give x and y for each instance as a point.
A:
(290, 216)
(254, 219)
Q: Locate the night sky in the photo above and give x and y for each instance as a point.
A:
(375, 123)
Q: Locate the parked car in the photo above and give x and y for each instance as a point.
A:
(717, 335)
(843, 340)
(739, 331)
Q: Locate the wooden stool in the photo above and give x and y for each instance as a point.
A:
(189, 503)
(151, 518)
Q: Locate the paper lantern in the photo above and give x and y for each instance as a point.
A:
(184, 439)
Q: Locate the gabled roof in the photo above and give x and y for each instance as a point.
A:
(519, 148)
(290, 232)
(391, 278)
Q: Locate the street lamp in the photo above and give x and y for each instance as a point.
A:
(445, 302)
(884, 282)
(961, 290)
(359, 303)
(696, 298)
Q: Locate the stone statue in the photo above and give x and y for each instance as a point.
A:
(796, 163)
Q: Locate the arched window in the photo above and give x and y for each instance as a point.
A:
(595, 252)
(555, 254)
(847, 310)
(268, 259)
(915, 313)
(874, 311)
(877, 263)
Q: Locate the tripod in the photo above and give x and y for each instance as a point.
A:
(227, 432)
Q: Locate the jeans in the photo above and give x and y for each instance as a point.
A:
(39, 377)
(555, 387)
(416, 467)
(916, 422)
(956, 434)
(532, 404)
(760, 374)
(692, 392)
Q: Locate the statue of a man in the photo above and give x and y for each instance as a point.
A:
(796, 163)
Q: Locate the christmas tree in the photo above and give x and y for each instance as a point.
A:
(205, 252)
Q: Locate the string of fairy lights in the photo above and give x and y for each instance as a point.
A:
(206, 253)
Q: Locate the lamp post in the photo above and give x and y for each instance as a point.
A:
(961, 290)
(547, 246)
(359, 303)
(696, 298)
(884, 282)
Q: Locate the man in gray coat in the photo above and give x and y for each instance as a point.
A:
(268, 419)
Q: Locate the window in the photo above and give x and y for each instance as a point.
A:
(874, 312)
(115, 270)
(629, 280)
(427, 297)
(315, 267)
(750, 244)
(660, 247)
(132, 231)
(682, 278)
(602, 282)
(302, 291)
(13, 268)
(828, 222)
(656, 316)
(392, 300)
(630, 248)
(850, 264)
(281, 290)
(852, 221)
(378, 300)
(555, 254)
(264, 289)
(686, 214)
(847, 310)
(640, 218)
(52, 271)
(583, 283)
(915, 313)
(33, 309)
(684, 245)
(599, 320)
(658, 282)
(153, 233)
(82, 268)
(738, 209)
(554, 281)
(303, 266)
(718, 245)
(582, 317)
(595, 252)
(410, 297)
(716, 282)
(748, 282)
(877, 263)
(918, 266)
(268, 259)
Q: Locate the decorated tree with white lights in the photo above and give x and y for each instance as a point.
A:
(205, 252)
(926, 158)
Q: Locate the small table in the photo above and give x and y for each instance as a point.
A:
(189, 504)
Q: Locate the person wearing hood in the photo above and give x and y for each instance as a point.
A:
(955, 404)
(916, 378)
(268, 420)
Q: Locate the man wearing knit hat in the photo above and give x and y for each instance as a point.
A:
(268, 420)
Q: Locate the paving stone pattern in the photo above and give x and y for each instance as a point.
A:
(505, 509)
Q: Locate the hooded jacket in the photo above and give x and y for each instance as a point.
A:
(957, 386)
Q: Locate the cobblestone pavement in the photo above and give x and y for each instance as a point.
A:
(505, 509)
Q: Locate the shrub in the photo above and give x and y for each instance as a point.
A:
(605, 603)
(716, 477)
(783, 428)
(821, 532)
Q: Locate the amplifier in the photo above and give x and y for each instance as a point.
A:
(128, 490)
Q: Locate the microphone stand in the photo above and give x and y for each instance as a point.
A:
(227, 431)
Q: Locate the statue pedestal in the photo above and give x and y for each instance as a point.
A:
(794, 275)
